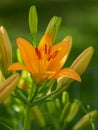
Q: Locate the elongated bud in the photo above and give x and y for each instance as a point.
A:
(65, 97)
(73, 111)
(2, 78)
(51, 107)
(79, 65)
(83, 122)
(53, 27)
(5, 50)
(66, 106)
(58, 104)
(33, 23)
(38, 116)
(8, 86)
(82, 61)
(69, 40)
(65, 111)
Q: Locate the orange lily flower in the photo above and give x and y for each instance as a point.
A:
(45, 61)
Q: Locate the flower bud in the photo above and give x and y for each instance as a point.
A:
(53, 27)
(65, 111)
(58, 103)
(38, 116)
(73, 111)
(8, 86)
(82, 61)
(65, 97)
(51, 107)
(79, 65)
(2, 78)
(69, 40)
(83, 122)
(5, 51)
(33, 22)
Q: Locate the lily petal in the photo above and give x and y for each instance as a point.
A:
(28, 54)
(69, 73)
(63, 52)
(17, 66)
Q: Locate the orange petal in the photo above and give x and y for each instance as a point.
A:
(69, 73)
(46, 40)
(60, 59)
(16, 66)
(28, 54)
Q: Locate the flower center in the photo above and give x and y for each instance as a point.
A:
(47, 50)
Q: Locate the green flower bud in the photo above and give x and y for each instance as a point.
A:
(8, 86)
(65, 97)
(38, 116)
(53, 27)
(58, 103)
(65, 112)
(82, 61)
(2, 78)
(68, 39)
(33, 22)
(51, 107)
(73, 111)
(84, 121)
(5, 51)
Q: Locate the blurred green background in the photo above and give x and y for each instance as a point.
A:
(79, 19)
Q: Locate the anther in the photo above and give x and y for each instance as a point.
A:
(38, 53)
(49, 50)
(53, 55)
(45, 48)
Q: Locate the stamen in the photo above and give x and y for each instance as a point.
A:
(53, 55)
(45, 48)
(38, 53)
(49, 50)
(49, 58)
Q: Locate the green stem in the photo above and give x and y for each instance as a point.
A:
(46, 96)
(27, 119)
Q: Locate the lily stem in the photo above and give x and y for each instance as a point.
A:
(27, 119)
